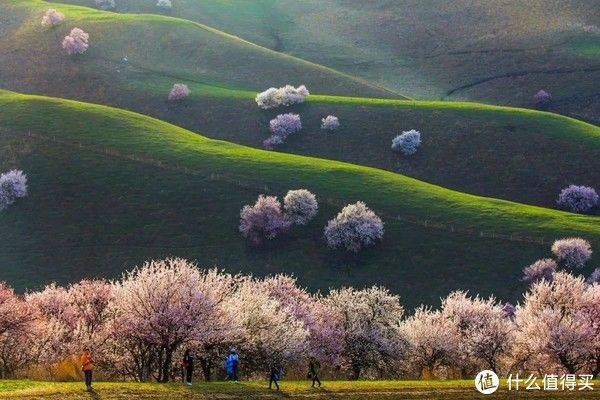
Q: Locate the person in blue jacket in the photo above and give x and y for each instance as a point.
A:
(231, 365)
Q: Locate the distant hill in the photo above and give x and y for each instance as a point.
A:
(512, 154)
(499, 52)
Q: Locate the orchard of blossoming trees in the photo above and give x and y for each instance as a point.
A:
(137, 326)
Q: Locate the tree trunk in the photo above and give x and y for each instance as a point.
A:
(356, 368)
(206, 368)
(159, 378)
(166, 365)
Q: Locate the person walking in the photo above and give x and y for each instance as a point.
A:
(87, 367)
(314, 367)
(188, 365)
(231, 365)
(275, 376)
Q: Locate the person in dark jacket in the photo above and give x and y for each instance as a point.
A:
(188, 365)
(275, 376)
(314, 367)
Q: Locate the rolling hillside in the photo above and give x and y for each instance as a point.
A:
(154, 44)
(110, 188)
(498, 152)
(489, 51)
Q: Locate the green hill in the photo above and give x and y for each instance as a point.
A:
(505, 153)
(155, 45)
(110, 188)
(489, 51)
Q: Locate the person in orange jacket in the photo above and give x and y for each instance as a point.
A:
(87, 367)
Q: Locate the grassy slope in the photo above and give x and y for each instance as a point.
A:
(257, 390)
(161, 44)
(426, 49)
(109, 188)
(473, 148)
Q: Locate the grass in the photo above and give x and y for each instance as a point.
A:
(425, 50)
(168, 45)
(110, 188)
(258, 390)
(474, 148)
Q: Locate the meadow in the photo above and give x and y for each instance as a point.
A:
(256, 390)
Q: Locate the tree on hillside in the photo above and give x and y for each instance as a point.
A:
(407, 142)
(13, 186)
(354, 228)
(264, 220)
(542, 100)
(285, 96)
(76, 42)
(165, 4)
(105, 4)
(579, 199)
(52, 18)
(541, 269)
(370, 320)
(330, 123)
(572, 252)
(594, 277)
(281, 127)
(300, 206)
(179, 91)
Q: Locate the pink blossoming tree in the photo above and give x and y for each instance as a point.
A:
(76, 42)
(263, 221)
(52, 18)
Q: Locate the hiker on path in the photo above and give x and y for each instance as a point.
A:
(275, 376)
(188, 365)
(87, 367)
(231, 365)
(314, 367)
